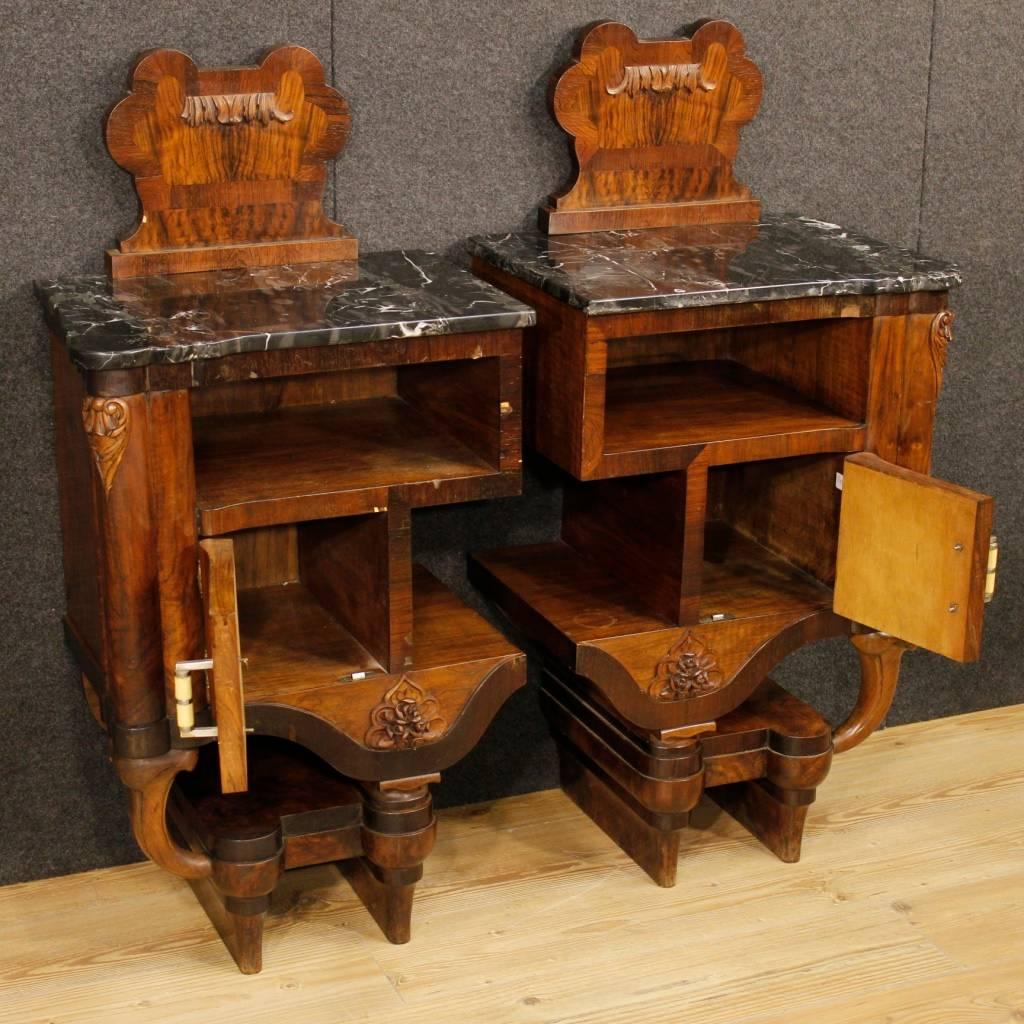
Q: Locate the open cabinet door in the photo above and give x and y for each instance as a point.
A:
(913, 556)
(220, 603)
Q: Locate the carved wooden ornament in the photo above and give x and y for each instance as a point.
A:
(689, 669)
(406, 717)
(106, 422)
(229, 163)
(656, 128)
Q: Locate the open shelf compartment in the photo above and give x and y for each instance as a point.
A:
(644, 554)
(718, 404)
(653, 402)
(325, 604)
(330, 444)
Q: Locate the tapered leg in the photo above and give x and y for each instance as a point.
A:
(773, 815)
(398, 833)
(387, 895)
(880, 657)
(653, 844)
(241, 933)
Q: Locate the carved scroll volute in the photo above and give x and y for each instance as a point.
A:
(405, 718)
(689, 669)
(107, 423)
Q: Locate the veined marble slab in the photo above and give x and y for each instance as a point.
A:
(782, 257)
(184, 317)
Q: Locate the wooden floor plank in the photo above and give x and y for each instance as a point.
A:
(907, 908)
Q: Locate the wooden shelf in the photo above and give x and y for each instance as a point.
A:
(743, 579)
(736, 414)
(314, 462)
(291, 644)
(561, 598)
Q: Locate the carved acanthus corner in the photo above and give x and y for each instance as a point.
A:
(689, 669)
(940, 337)
(107, 423)
(405, 718)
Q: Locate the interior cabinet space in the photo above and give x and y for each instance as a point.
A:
(641, 554)
(305, 447)
(743, 393)
(327, 604)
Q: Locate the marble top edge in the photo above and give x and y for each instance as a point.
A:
(780, 257)
(402, 293)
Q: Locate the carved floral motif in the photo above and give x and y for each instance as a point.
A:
(106, 424)
(690, 669)
(405, 718)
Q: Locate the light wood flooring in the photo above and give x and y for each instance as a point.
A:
(908, 908)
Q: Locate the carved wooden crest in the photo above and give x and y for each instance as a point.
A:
(229, 163)
(406, 717)
(656, 128)
(689, 669)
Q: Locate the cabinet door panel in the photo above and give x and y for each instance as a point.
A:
(220, 602)
(912, 556)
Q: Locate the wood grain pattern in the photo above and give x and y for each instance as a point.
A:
(229, 163)
(912, 556)
(880, 656)
(848, 935)
(311, 462)
(223, 646)
(655, 127)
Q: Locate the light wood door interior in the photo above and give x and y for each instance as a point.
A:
(912, 556)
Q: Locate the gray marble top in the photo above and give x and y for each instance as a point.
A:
(179, 318)
(782, 257)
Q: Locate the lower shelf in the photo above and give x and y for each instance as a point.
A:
(291, 791)
(291, 644)
(563, 598)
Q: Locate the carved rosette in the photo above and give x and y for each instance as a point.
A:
(106, 422)
(939, 338)
(689, 669)
(405, 718)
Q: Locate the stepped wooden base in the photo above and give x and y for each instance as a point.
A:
(761, 764)
(299, 812)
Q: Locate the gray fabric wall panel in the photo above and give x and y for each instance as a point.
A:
(452, 133)
(62, 808)
(973, 210)
(451, 136)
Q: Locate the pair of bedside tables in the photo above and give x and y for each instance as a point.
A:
(248, 417)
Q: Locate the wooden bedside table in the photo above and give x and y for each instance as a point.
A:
(240, 452)
(744, 407)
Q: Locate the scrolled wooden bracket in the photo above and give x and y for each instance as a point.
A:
(150, 780)
(880, 656)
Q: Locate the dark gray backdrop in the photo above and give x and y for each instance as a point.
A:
(901, 118)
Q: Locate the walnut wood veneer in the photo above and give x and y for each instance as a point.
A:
(241, 451)
(743, 413)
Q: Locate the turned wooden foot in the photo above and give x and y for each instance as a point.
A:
(241, 933)
(652, 841)
(880, 656)
(387, 895)
(774, 816)
(398, 833)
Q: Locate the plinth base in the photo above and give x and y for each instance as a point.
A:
(761, 764)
